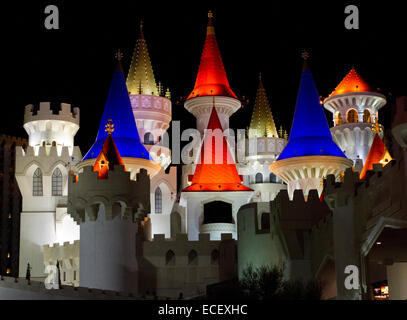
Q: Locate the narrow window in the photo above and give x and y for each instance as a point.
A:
(192, 257)
(158, 200)
(170, 258)
(57, 182)
(215, 256)
(37, 182)
(259, 178)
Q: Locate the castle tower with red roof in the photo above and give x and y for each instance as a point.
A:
(216, 191)
(211, 81)
(354, 105)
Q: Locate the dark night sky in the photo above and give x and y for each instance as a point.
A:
(75, 64)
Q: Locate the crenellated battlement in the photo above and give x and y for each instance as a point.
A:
(118, 193)
(46, 113)
(10, 140)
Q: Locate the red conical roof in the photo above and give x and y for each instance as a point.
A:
(377, 154)
(352, 82)
(108, 157)
(212, 173)
(211, 79)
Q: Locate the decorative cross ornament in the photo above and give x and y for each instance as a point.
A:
(119, 55)
(305, 54)
(109, 126)
(376, 128)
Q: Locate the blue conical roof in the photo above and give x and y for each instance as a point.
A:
(310, 135)
(125, 133)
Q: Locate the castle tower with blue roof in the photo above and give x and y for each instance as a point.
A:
(118, 109)
(310, 154)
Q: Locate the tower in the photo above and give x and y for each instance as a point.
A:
(42, 172)
(355, 106)
(211, 88)
(152, 113)
(211, 81)
(216, 191)
(118, 109)
(310, 154)
(150, 104)
(263, 146)
(109, 206)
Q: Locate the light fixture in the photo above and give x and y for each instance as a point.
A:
(378, 243)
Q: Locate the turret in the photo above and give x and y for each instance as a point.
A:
(118, 109)
(211, 81)
(216, 191)
(354, 106)
(109, 206)
(263, 146)
(150, 104)
(46, 128)
(310, 154)
(42, 172)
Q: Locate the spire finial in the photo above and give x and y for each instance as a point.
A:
(141, 36)
(210, 29)
(109, 126)
(259, 76)
(305, 56)
(119, 55)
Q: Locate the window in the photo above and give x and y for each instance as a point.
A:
(158, 200)
(148, 138)
(338, 118)
(366, 116)
(259, 178)
(217, 212)
(273, 178)
(192, 257)
(64, 276)
(74, 275)
(170, 258)
(37, 183)
(265, 220)
(215, 256)
(352, 116)
(57, 182)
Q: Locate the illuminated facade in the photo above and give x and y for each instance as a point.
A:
(310, 154)
(354, 106)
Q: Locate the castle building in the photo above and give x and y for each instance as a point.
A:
(152, 113)
(310, 154)
(262, 147)
(42, 172)
(10, 204)
(354, 106)
(360, 224)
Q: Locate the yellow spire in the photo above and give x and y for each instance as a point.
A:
(140, 79)
(262, 119)
(376, 127)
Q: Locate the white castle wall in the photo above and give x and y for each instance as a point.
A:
(44, 219)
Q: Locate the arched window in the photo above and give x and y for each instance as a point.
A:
(148, 138)
(338, 118)
(170, 258)
(57, 182)
(273, 178)
(366, 116)
(158, 197)
(259, 178)
(352, 116)
(37, 182)
(192, 257)
(215, 256)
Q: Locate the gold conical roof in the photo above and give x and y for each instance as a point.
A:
(262, 119)
(140, 79)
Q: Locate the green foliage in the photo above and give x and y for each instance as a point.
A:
(267, 283)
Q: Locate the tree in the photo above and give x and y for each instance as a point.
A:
(267, 283)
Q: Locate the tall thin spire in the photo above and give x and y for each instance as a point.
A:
(141, 73)
(262, 119)
(211, 79)
(310, 134)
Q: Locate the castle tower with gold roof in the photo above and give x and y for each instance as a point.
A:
(355, 106)
(263, 145)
